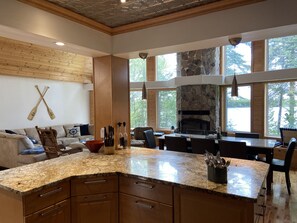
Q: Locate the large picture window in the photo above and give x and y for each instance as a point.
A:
(166, 109)
(137, 68)
(237, 60)
(166, 67)
(281, 109)
(282, 53)
(238, 110)
(138, 109)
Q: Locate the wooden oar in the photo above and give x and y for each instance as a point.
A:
(49, 111)
(34, 109)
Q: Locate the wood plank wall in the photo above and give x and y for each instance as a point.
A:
(29, 60)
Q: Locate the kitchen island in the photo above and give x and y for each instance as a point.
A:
(132, 185)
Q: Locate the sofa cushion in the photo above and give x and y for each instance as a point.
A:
(20, 131)
(30, 158)
(67, 140)
(60, 130)
(91, 129)
(27, 143)
(32, 132)
(86, 138)
(73, 132)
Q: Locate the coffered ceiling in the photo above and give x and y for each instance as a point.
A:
(114, 17)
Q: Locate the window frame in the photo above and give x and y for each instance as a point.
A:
(146, 102)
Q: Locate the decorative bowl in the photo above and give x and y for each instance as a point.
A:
(94, 145)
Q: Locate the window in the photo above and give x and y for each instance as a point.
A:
(238, 110)
(237, 59)
(166, 67)
(282, 53)
(138, 109)
(137, 69)
(281, 106)
(166, 109)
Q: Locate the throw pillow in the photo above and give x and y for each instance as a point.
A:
(27, 143)
(10, 131)
(73, 132)
(84, 129)
(35, 150)
(33, 140)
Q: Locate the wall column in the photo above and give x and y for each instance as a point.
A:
(151, 99)
(111, 93)
(258, 89)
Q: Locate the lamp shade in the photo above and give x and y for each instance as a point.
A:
(144, 91)
(234, 87)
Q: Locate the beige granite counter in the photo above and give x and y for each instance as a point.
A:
(244, 177)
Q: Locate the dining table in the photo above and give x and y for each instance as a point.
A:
(254, 146)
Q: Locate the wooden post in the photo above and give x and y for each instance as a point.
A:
(111, 93)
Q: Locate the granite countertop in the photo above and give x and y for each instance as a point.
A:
(244, 177)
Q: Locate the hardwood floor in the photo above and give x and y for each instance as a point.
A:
(282, 207)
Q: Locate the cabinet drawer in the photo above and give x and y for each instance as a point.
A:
(147, 189)
(135, 210)
(46, 197)
(59, 212)
(94, 185)
(101, 208)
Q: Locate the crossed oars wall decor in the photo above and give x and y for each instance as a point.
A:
(34, 109)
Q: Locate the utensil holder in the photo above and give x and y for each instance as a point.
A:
(109, 150)
(217, 175)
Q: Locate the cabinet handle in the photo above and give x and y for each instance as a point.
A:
(103, 197)
(143, 204)
(51, 192)
(95, 181)
(56, 210)
(146, 185)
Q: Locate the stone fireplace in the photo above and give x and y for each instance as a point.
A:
(198, 106)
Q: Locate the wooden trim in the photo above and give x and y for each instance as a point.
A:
(197, 11)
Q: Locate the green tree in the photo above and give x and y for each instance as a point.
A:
(235, 62)
(137, 69)
(166, 67)
(167, 109)
(138, 109)
(282, 54)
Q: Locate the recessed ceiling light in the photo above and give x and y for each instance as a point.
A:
(123, 1)
(60, 43)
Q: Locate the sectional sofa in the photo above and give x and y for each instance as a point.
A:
(22, 146)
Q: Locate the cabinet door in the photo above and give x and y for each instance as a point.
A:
(57, 213)
(137, 210)
(97, 208)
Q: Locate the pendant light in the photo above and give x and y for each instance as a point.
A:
(144, 95)
(234, 88)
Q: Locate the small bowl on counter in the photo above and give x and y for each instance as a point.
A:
(94, 145)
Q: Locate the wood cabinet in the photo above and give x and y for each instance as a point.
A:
(59, 212)
(145, 201)
(50, 204)
(94, 199)
(197, 206)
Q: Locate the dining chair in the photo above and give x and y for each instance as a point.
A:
(233, 149)
(150, 141)
(253, 135)
(178, 144)
(284, 165)
(200, 146)
(287, 134)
